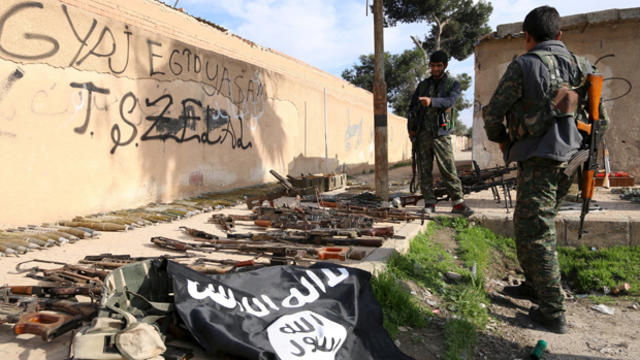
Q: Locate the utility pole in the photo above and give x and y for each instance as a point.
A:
(380, 106)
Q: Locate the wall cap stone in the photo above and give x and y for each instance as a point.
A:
(507, 31)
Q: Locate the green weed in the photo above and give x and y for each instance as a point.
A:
(589, 270)
(399, 307)
(459, 339)
(400, 164)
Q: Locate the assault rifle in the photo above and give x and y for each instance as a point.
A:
(278, 250)
(588, 155)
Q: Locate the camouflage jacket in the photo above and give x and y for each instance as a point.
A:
(443, 94)
(527, 77)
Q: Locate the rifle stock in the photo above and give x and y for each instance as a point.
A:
(588, 175)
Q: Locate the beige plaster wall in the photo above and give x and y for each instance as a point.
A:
(622, 78)
(106, 104)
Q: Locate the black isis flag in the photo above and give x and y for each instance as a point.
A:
(321, 312)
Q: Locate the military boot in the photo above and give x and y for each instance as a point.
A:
(557, 325)
(462, 209)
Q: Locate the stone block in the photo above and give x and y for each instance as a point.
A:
(599, 230)
(635, 233)
(499, 225)
(561, 231)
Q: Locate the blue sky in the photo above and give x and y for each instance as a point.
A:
(331, 34)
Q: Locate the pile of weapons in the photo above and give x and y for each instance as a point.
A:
(303, 233)
(24, 306)
(334, 234)
(631, 194)
(495, 179)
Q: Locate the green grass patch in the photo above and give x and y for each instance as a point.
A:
(399, 307)
(425, 263)
(459, 339)
(590, 271)
(400, 164)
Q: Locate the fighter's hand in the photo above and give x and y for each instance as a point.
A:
(425, 101)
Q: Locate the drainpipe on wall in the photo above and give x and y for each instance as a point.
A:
(326, 143)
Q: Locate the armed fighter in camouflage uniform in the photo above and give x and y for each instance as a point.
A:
(541, 138)
(429, 125)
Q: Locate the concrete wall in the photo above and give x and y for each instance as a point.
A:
(461, 143)
(108, 104)
(594, 35)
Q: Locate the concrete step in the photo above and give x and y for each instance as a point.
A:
(617, 224)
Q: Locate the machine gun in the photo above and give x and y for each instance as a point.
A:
(477, 180)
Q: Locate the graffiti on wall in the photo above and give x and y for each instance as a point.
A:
(622, 84)
(226, 102)
(617, 81)
(353, 132)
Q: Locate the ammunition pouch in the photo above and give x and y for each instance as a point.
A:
(534, 118)
(445, 121)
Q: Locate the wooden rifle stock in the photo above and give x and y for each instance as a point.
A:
(588, 176)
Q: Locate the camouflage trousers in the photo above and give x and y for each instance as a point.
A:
(440, 148)
(541, 186)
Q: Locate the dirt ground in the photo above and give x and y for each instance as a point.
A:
(510, 334)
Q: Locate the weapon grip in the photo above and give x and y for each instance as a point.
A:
(583, 126)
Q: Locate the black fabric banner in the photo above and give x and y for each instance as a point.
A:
(323, 312)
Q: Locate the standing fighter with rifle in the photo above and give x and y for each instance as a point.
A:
(543, 94)
(429, 124)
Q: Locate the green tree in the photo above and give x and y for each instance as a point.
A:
(402, 73)
(455, 24)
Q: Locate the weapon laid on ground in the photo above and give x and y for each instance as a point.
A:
(415, 177)
(287, 190)
(325, 237)
(62, 317)
(110, 261)
(323, 253)
(347, 237)
(592, 131)
(478, 180)
(54, 291)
